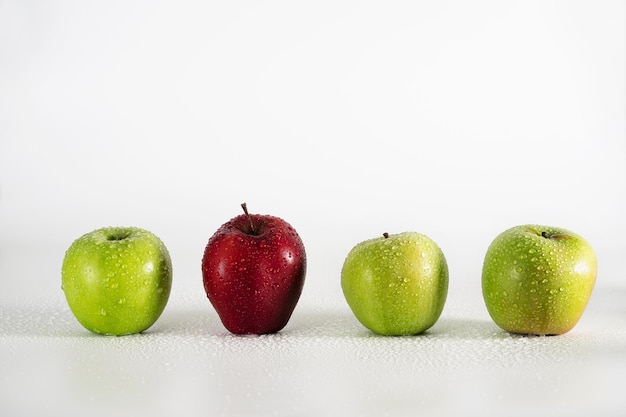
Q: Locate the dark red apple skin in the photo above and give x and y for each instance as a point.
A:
(254, 279)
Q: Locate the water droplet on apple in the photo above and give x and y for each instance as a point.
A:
(504, 293)
(103, 312)
(148, 267)
(122, 301)
(545, 281)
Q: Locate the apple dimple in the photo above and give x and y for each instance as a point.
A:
(117, 236)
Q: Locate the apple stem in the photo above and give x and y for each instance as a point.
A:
(553, 236)
(386, 235)
(244, 206)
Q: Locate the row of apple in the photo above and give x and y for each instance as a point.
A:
(535, 280)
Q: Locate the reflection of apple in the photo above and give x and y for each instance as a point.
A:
(253, 271)
(117, 280)
(396, 284)
(537, 279)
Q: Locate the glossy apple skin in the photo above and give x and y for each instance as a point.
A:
(254, 279)
(396, 285)
(117, 280)
(537, 280)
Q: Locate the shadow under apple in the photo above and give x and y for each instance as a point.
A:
(341, 323)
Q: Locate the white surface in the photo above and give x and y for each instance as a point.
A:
(349, 119)
(322, 363)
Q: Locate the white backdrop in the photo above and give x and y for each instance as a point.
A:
(457, 119)
(348, 119)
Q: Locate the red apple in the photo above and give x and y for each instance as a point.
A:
(253, 271)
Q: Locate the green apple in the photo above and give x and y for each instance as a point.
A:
(117, 280)
(396, 284)
(538, 279)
